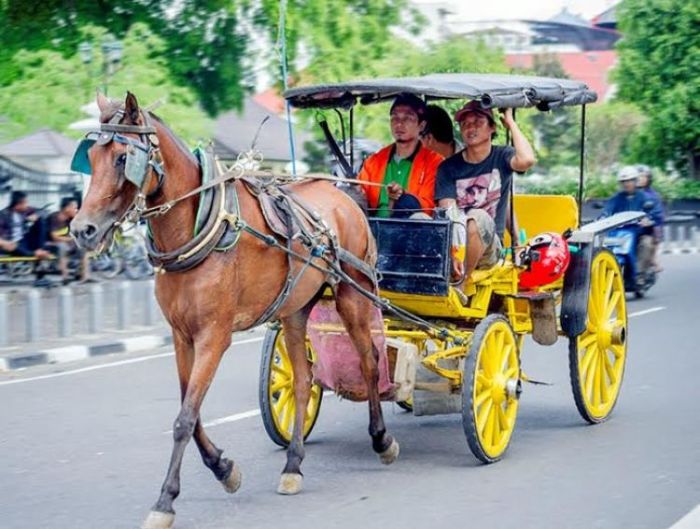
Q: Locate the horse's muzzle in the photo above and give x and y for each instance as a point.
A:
(84, 234)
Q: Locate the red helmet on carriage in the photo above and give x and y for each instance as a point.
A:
(546, 258)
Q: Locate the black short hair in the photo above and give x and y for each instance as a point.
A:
(16, 197)
(439, 124)
(67, 200)
(412, 101)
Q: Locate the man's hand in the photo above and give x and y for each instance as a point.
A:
(645, 222)
(394, 190)
(507, 118)
(33, 217)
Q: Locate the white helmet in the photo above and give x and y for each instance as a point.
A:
(628, 172)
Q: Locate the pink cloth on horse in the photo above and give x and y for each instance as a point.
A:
(337, 365)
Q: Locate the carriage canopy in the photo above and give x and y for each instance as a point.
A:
(493, 90)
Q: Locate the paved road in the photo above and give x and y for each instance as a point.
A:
(87, 449)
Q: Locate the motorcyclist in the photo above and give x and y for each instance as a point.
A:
(644, 182)
(631, 198)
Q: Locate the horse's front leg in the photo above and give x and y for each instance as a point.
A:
(209, 347)
(225, 470)
(295, 340)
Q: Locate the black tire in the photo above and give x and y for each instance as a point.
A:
(266, 400)
(405, 405)
(587, 409)
(472, 365)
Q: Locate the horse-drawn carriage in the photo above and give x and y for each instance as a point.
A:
(228, 261)
(457, 348)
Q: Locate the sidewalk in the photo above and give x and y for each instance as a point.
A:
(82, 346)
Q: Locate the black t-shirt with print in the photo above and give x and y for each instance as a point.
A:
(484, 185)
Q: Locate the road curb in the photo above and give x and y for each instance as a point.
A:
(72, 353)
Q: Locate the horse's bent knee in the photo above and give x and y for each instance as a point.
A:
(183, 427)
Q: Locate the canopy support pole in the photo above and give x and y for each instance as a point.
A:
(581, 162)
(352, 140)
(282, 46)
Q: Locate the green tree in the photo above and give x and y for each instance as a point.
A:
(557, 131)
(658, 71)
(49, 89)
(204, 41)
(611, 129)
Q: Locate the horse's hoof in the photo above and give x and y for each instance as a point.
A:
(159, 520)
(388, 456)
(233, 482)
(290, 484)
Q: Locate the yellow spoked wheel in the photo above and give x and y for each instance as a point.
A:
(276, 391)
(597, 356)
(491, 388)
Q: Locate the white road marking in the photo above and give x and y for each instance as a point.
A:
(689, 521)
(647, 311)
(238, 416)
(86, 369)
(111, 364)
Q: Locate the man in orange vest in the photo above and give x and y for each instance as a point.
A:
(405, 167)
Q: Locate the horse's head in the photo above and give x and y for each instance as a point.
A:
(118, 159)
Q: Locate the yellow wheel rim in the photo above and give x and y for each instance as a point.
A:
(281, 393)
(495, 405)
(602, 347)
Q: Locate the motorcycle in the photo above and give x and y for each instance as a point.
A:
(633, 251)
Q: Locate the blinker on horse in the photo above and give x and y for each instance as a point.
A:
(215, 293)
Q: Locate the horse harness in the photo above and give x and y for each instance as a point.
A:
(219, 224)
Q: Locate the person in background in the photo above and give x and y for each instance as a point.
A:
(644, 182)
(438, 134)
(630, 198)
(63, 244)
(22, 232)
(481, 174)
(405, 167)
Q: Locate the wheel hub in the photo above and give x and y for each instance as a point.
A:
(498, 388)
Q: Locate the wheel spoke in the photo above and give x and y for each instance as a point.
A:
(610, 369)
(604, 387)
(584, 343)
(503, 362)
(496, 425)
(483, 415)
(503, 419)
(282, 402)
(288, 416)
(481, 397)
(280, 383)
(618, 351)
(512, 373)
(482, 381)
(596, 398)
(590, 375)
(586, 359)
(612, 304)
(281, 372)
(609, 285)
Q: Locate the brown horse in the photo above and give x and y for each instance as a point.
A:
(228, 291)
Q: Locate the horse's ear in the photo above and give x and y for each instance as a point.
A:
(103, 102)
(131, 108)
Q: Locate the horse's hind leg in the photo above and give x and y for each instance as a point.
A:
(356, 312)
(295, 340)
(201, 364)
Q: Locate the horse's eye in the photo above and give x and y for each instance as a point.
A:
(121, 160)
